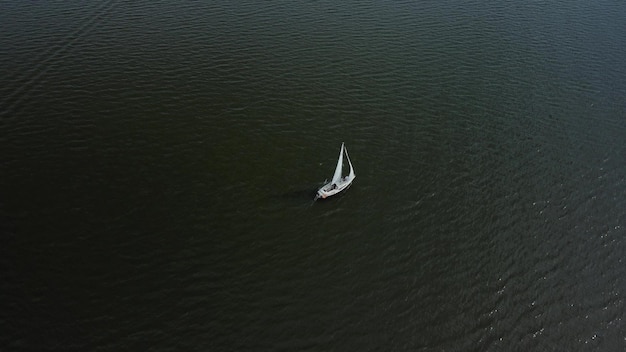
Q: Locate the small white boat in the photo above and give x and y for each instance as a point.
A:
(338, 183)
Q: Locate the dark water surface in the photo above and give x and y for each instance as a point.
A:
(158, 161)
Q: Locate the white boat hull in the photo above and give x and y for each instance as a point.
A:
(328, 190)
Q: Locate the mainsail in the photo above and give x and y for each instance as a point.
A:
(351, 176)
(337, 175)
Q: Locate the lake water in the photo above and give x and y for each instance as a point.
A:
(159, 160)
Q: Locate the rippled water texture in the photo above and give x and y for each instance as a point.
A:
(159, 160)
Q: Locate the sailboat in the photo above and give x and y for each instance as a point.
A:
(338, 183)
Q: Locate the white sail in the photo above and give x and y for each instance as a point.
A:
(351, 176)
(337, 175)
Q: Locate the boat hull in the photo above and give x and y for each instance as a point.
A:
(328, 190)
